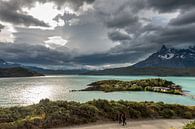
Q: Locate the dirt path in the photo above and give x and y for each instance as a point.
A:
(142, 124)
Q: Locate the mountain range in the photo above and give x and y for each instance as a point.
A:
(165, 62)
(170, 58)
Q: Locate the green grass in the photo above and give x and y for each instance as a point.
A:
(190, 125)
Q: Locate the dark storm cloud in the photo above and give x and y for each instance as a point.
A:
(120, 17)
(119, 54)
(33, 54)
(20, 19)
(118, 36)
(66, 17)
(184, 18)
(170, 5)
(75, 4)
(125, 22)
(121, 20)
(177, 34)
(106, 58)
(1, 27)
(149, 37)
(11, 11)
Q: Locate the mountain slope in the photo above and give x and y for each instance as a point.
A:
(4, 64)
(171, 58)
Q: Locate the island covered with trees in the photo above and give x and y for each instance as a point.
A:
(154, 85)
(49, 114)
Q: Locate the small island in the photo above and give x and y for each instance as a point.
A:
(154, 85)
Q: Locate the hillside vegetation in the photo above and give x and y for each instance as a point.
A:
(47, 114)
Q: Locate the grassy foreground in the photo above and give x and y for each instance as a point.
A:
(190, 126)
(47, 114)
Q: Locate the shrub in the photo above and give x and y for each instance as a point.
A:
(190, 125)
(188, 115)
(168, 113)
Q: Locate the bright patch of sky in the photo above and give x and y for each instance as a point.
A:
(106, 66)
(6, 35)
(47, 12)
(159, 19)
(55, 41)
(163, 19)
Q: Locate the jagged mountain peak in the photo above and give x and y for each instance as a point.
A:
(163, 48)
(170, 57)
(5, 64)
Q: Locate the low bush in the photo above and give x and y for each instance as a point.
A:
(190, 125)
(47, 114)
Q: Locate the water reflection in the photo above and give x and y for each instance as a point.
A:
(25, 91)
(35, 93)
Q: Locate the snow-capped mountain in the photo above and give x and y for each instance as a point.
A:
(170, 57)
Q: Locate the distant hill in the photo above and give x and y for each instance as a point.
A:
(154, 71)
(17, 72)
(56, 72)
(4, 64)
(171, 58)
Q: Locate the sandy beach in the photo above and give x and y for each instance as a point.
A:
(141, 124)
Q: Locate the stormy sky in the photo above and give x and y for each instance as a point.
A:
(92, 34)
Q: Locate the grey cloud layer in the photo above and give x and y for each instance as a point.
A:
(125, 22)
(33, 54)
(11, 11)
(184, 18)
(1, 27)
(118, 36)
(170, 5)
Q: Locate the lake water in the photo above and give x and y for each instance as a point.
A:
(25, 91)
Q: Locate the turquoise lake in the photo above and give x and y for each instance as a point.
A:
(25, 91)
